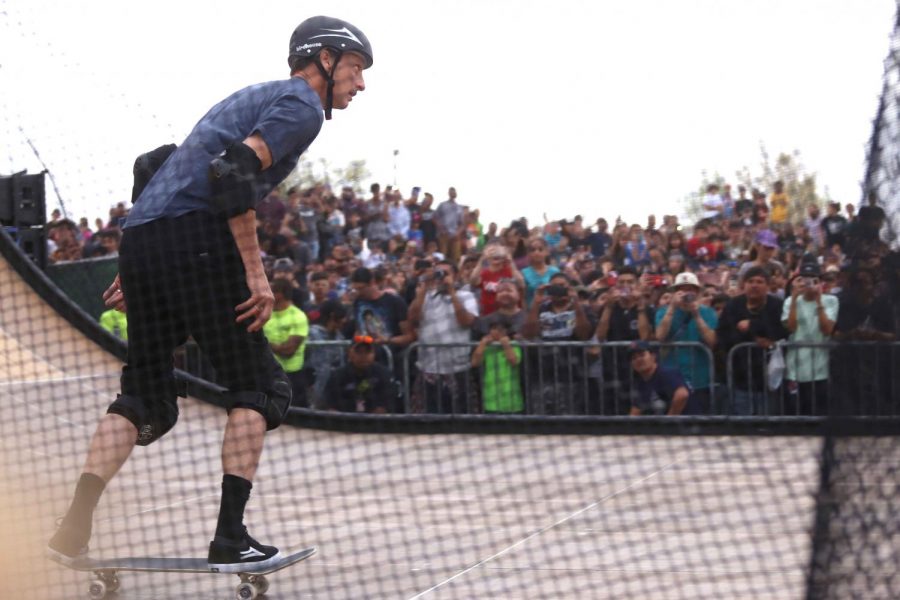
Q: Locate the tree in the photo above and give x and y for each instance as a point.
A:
(310, 172)
(799, 184)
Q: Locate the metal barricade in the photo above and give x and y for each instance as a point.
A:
(815, 379)
(537, 377)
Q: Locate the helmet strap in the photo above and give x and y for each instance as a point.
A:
(329, 78)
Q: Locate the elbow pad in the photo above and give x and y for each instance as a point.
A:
(233, 177)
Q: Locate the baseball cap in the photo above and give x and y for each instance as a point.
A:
(283, 264)
(637, 347)
(810, 269)
(686, 279)
(767, 238)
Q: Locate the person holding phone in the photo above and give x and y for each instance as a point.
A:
(496, 265)
(809, 315)
(686, 320)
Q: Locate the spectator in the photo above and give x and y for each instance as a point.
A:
(84, 230)
(284, 268)
(779, 203)
(765, 249)
(287, 330)
(427, 224)
(625, 317)
(443, 315)
(538, 271)
(557, 369)
(497, 265)
(813, 225)
(636, 249)
(600, 240)
(322, 359)
(686, 320)
(378, 231)
(713, 206)
(833, 225)
(809, 315)
(743, 207)
(320, 290)
(658, 390)
(64, 233)
(115, 322)
(700, 247)
(508, 312)
(398, 218)
(863, 373)
(499, 361)
(362, 385)
(381, 316)
(450, 223)
(754, 316)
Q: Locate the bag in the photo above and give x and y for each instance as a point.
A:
(775, 368)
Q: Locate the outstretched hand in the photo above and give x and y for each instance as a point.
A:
(113, 296)
(260, 304)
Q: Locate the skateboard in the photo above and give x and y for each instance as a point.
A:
(106, 579)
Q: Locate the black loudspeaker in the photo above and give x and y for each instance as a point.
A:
(6, 202)
(29, 206)
(33, 242)
(22, 200)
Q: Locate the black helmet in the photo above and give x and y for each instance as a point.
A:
(316, 33)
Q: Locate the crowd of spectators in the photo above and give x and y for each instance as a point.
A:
(519, 318)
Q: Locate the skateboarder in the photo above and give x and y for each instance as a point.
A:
(190, 265)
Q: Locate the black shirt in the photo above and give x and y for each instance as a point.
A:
(351, 390)
(834, 227)
(749, 363)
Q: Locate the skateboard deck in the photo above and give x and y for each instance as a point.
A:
(253, 582)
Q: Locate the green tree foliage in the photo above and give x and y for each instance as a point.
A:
(310, 172)
(799, 183)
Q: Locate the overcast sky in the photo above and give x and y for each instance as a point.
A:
(592, 107)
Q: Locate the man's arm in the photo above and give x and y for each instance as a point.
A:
(463, 317)
(258, 308)
(679, 401)
(288, 347)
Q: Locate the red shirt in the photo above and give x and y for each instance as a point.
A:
(701, 250)
(489, 281)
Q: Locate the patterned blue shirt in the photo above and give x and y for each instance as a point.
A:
(286, 113)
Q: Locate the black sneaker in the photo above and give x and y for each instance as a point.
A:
(244, 556)
(69, 542)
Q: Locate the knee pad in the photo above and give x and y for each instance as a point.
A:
(273, 404)
(152, 418)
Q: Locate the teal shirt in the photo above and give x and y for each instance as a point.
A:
(692, 363)
(808, 364)
(533, 281)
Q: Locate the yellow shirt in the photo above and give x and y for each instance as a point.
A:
(283, 325)
(779, 204)
(116, 323)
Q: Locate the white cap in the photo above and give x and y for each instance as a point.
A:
(686, 279)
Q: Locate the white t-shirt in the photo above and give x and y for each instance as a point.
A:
(712, 206)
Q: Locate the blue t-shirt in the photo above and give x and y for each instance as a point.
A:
(654, 396)
(286, 113)
(533, 281)
(692, 362)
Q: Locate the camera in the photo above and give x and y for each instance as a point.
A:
(439, 274)
(557, 290)
(690, 297)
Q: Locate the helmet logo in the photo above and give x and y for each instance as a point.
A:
(307, 47)
(343, 32)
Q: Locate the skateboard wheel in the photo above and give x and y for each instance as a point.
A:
(246, 591)
(97, 591)
(262, 584)
(112, 582)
